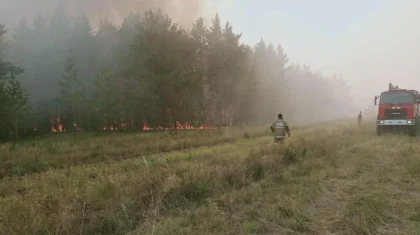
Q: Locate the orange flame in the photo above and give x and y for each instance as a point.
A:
(57, 126)
(179, 126)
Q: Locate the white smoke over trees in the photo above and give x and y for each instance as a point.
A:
(183, 12)
(149, 70)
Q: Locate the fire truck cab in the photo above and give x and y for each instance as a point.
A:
(398, 111)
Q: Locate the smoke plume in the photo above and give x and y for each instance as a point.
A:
(183, 12)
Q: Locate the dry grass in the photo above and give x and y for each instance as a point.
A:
(338, 180)
(60, 151)
(374, 190)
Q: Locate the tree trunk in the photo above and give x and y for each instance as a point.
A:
(73, 126)
(16, 129)
(132, 121)
(190, 116)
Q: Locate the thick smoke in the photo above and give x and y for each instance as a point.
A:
(183, 12)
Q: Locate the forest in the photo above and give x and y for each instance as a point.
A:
(150, 73)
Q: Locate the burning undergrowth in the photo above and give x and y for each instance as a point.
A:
(58, 126)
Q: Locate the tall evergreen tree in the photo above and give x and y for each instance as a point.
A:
(106, 98)
(199, 98)
(107, 39)
(71, 92)
(84, 49)
(17, 104)
(13, 99)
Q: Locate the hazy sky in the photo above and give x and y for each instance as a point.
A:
(369, 42)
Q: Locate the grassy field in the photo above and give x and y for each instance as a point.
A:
(331, 179)
(60, 150)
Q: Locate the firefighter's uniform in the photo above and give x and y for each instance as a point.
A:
(359, 118)
(280, 128)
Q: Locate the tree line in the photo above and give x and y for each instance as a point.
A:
(150, 72)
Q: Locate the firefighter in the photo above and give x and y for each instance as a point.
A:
(279, 129)
(359, 118)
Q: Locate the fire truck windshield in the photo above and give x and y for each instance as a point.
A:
(397, 98)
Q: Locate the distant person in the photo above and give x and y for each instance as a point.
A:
(360, 118)
(279, 129)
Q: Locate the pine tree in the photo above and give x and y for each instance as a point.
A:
(215, 71)
(282, 58)
(13, 99)
(285, 97)
(71, 91)
(60, 26)
(18, 104)
(199, 99)
(4, 114)
(247, 91)
(107, 39)
(106, 98)
(6, 68)
(39, 23)
(84, 49)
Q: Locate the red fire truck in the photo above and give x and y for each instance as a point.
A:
(398, 111)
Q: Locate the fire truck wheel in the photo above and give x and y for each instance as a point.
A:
(378, 131)
(414, 130)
